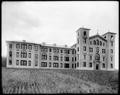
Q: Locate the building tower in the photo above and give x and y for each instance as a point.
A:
(110, 37)
(82, 48)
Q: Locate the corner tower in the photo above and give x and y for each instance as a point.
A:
(110, 37)
(82, 48)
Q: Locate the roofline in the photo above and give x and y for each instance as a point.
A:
(97, 36)
(109, 32)
(40, 44)
(83, 28)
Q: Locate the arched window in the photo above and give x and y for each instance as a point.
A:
(97, 42)
(94, 42)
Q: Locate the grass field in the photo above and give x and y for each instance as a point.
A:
(58, 81)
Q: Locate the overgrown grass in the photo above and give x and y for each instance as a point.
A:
(51, 81)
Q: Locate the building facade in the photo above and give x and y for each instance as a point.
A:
(89, 53)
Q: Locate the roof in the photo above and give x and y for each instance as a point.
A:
(108, 33)
(73, 45)
(45, 45)
(97, 36)
(83, 28)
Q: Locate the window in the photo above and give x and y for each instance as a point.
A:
(103, 65)
(10, 53)
(90, 57)
(84, 33)
(30, 47)
(75, 58)
(84, 41)
(61, 65)
(84, 56)
(17, 54)
(77, 64)
(55, 65)
(44, 49)
(23, 46)
(111, 50)
(50, 50)
(49, 57)
(66, 58)
(94, 42)
(66, 65)
(111, 65)
(84, 48)
(111, 37)
(36, 47)
(111, 43)
(103, 44)
(10, 46)
(23, 63)
(36, 63)
(29, 55)
(17, 62)
(67, 51)
(29, 63)
(105, 37)
(77, 40)
(72, 65)
(103, 50)
(10, 62)
(78, 49)
(61, 51)
(44, 56)
(36, 56)
(50, 64)
(103, 58)
(43, 64)
(97, 49)
(97, 42)
(90, 42)
(100, 43)
(23, 54)
(90, 49)
(55, 58)
(111, 58)
(90, 64)
(84, 64)
(17, 46)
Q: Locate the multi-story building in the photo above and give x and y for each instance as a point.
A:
(89, 53)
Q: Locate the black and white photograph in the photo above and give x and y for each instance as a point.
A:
(59, 47)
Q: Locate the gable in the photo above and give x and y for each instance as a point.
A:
(98, 37)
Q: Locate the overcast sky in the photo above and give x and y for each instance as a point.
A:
(56, 22)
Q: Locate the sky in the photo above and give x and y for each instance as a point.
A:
(56, 21)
